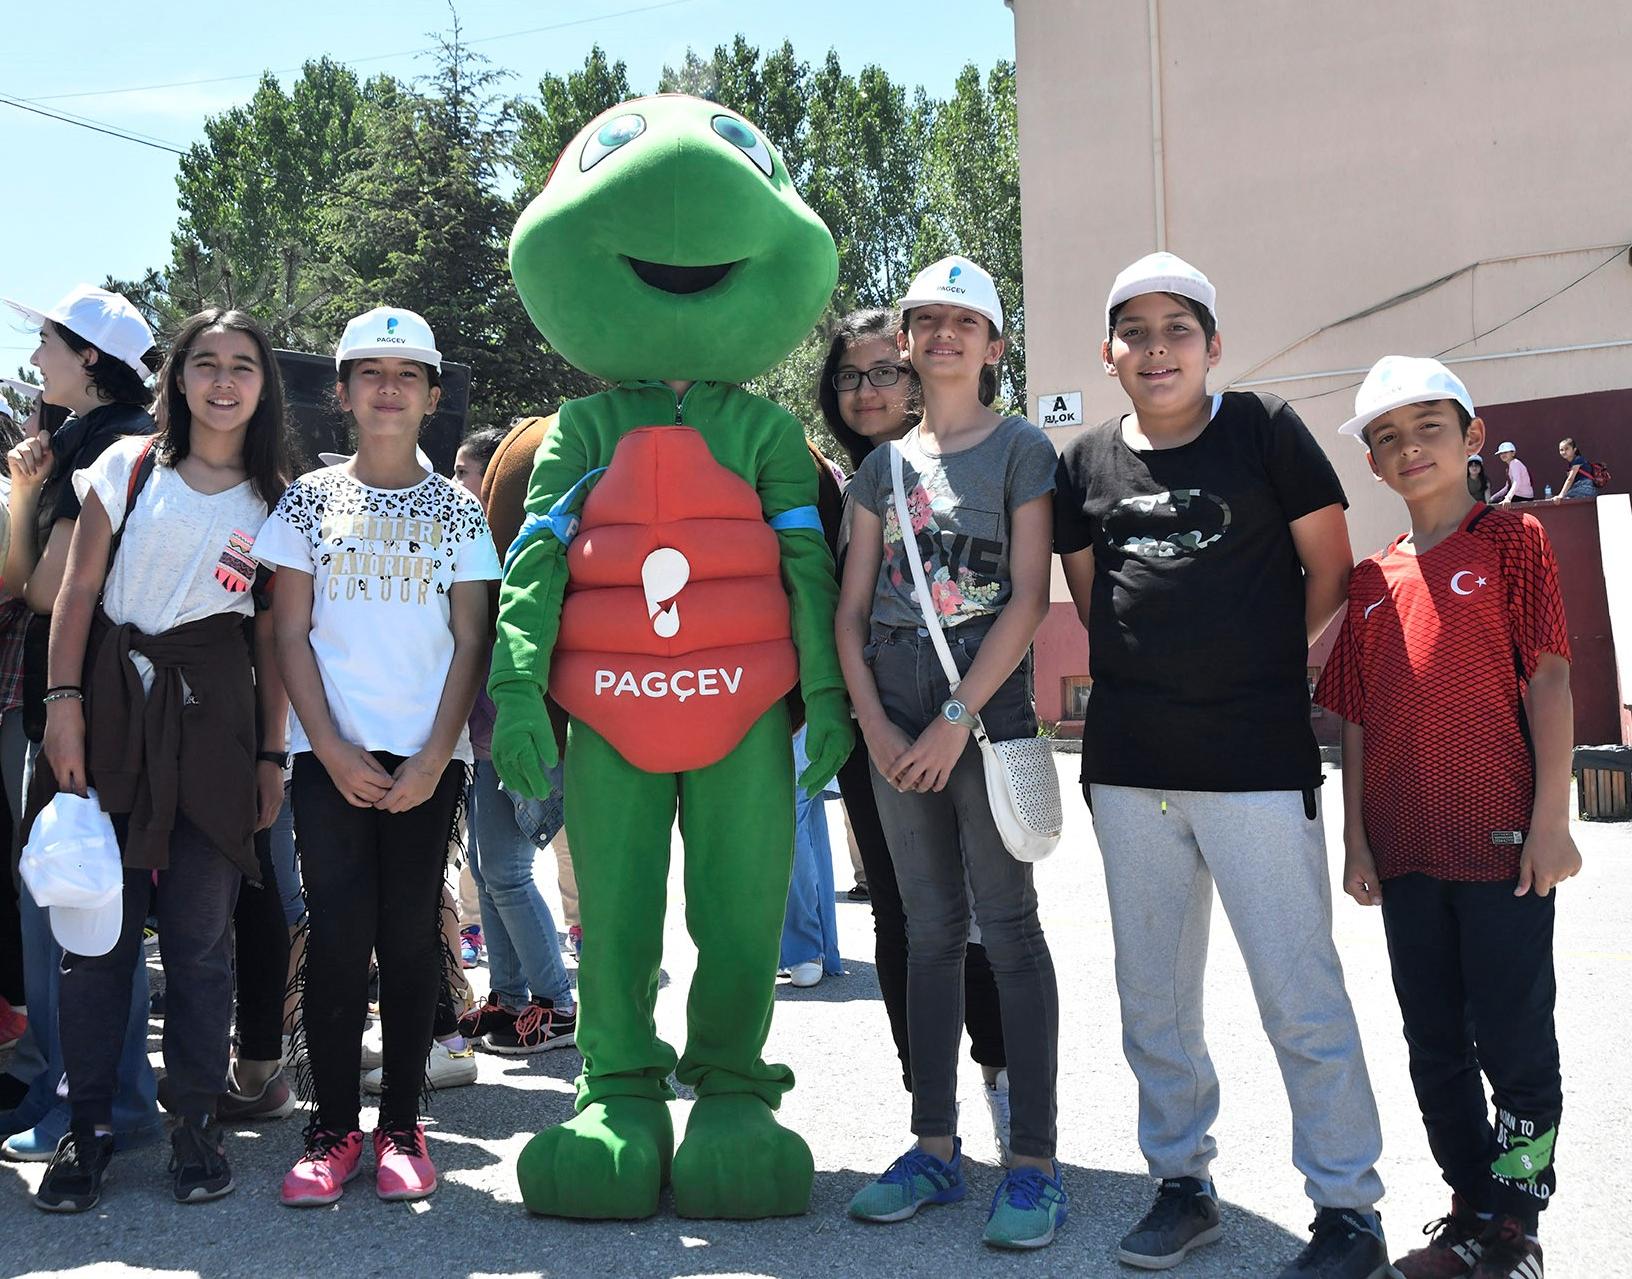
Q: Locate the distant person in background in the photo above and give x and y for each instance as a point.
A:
(1584, 478)
(1478, 481)
(1518, 487)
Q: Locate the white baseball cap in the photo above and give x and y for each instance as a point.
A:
(388, 330)
(1162, 273)
(108, 321)
(72, 866)
(956, 281)
(340, 459)
(1396, 380)
(1506, 446)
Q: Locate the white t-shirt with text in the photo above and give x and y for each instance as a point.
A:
(383, 563)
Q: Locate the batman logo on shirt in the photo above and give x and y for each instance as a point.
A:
(1167, 525)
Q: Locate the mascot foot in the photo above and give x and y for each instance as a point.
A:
(738, 1162)
(608, 1161)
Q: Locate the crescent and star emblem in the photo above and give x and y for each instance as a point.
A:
(1456, 579)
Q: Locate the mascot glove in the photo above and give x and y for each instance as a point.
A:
(523, 739)
(828, 743)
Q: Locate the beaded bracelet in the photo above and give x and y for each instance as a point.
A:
(63, 695)
(65, 688)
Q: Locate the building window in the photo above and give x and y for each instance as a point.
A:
(1074, 690)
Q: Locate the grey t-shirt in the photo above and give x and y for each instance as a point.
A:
(960, 505)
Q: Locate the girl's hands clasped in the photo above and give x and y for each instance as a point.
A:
(356, 774)
(928, 765)
(414, 782)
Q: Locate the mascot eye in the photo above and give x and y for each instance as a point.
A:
(609, 137)
(745, 140)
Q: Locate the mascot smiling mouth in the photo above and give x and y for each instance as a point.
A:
(679, 279)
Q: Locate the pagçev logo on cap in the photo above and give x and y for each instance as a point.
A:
(952, 285)
(390, 334)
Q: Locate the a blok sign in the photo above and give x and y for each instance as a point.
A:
(1062, 408)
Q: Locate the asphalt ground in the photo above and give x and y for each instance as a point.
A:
(850, 1106)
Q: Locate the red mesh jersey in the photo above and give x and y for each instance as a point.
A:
(1432, 661)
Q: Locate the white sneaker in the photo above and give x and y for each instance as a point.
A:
(444, 1067)
(806, 974)
(997, 1101)
(373, 1046)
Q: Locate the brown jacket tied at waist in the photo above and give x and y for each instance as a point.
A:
(189, 744)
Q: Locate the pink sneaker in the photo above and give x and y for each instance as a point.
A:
(321, 1174)
(403, 1170)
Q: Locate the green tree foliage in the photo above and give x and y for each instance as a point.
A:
(310, 205)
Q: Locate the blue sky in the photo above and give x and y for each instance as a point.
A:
(83, 206)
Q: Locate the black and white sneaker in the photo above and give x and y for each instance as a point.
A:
(1343, 1244)
(1184, 1216)
(73, 1182)
(538, 1027)
(198, 1162)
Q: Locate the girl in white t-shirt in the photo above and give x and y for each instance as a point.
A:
(152, 701)
(384, 575)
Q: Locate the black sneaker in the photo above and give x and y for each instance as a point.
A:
(485, 1018)
(1507, 1252)
(73, 1182)
(1342, 1245)
(537, 1028)
(198, 1162)
(1184, 1216)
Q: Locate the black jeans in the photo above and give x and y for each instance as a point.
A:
(373, 885)
(982, 1013)
(261, 943)
(196, 894)
(945, 845)
(1473, 969)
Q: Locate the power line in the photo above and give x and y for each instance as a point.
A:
(112, 131)
(375, 57)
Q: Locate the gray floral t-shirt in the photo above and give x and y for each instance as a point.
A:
(960, 504)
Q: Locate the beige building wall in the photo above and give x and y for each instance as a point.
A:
(1356, 179)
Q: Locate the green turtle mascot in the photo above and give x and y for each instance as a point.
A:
(668, 588)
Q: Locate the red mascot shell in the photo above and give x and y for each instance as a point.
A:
(674, 635)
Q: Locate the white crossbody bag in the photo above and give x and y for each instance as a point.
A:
(1021, 784)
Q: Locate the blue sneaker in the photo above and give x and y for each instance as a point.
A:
(1027, 1209)
(915, 1179)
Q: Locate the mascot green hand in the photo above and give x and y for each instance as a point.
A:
(669, 588)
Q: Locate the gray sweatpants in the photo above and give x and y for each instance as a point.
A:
(1268, 859)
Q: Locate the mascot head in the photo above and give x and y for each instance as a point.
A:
(669, 244)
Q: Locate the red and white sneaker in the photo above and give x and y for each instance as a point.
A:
(1453, 1248)
(321, 1174)
(403, 1169)
(1507, 1252)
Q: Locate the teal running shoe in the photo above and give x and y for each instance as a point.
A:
(1027, 1209)
(915, 1179)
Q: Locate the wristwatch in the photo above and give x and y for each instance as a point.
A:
(955, 712)
(280, 758)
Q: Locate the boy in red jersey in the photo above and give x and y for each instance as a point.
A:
(1455, 637)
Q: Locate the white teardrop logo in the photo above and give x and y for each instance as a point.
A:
(664, 575)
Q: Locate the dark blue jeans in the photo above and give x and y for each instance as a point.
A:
(945, 846)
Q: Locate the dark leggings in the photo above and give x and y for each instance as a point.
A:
(261, 960)
(982, 1014)
(373, 885)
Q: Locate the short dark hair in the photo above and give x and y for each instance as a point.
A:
(852, 330)
(1204, 317)
(1464, 419)
(266, 459)
(988, 372)
(483, 444)
(111, 378)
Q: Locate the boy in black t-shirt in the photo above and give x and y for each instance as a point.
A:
(1204, 543)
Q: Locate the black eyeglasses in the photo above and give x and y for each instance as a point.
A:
(881, 375)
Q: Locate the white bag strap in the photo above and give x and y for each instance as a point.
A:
(932, 623)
